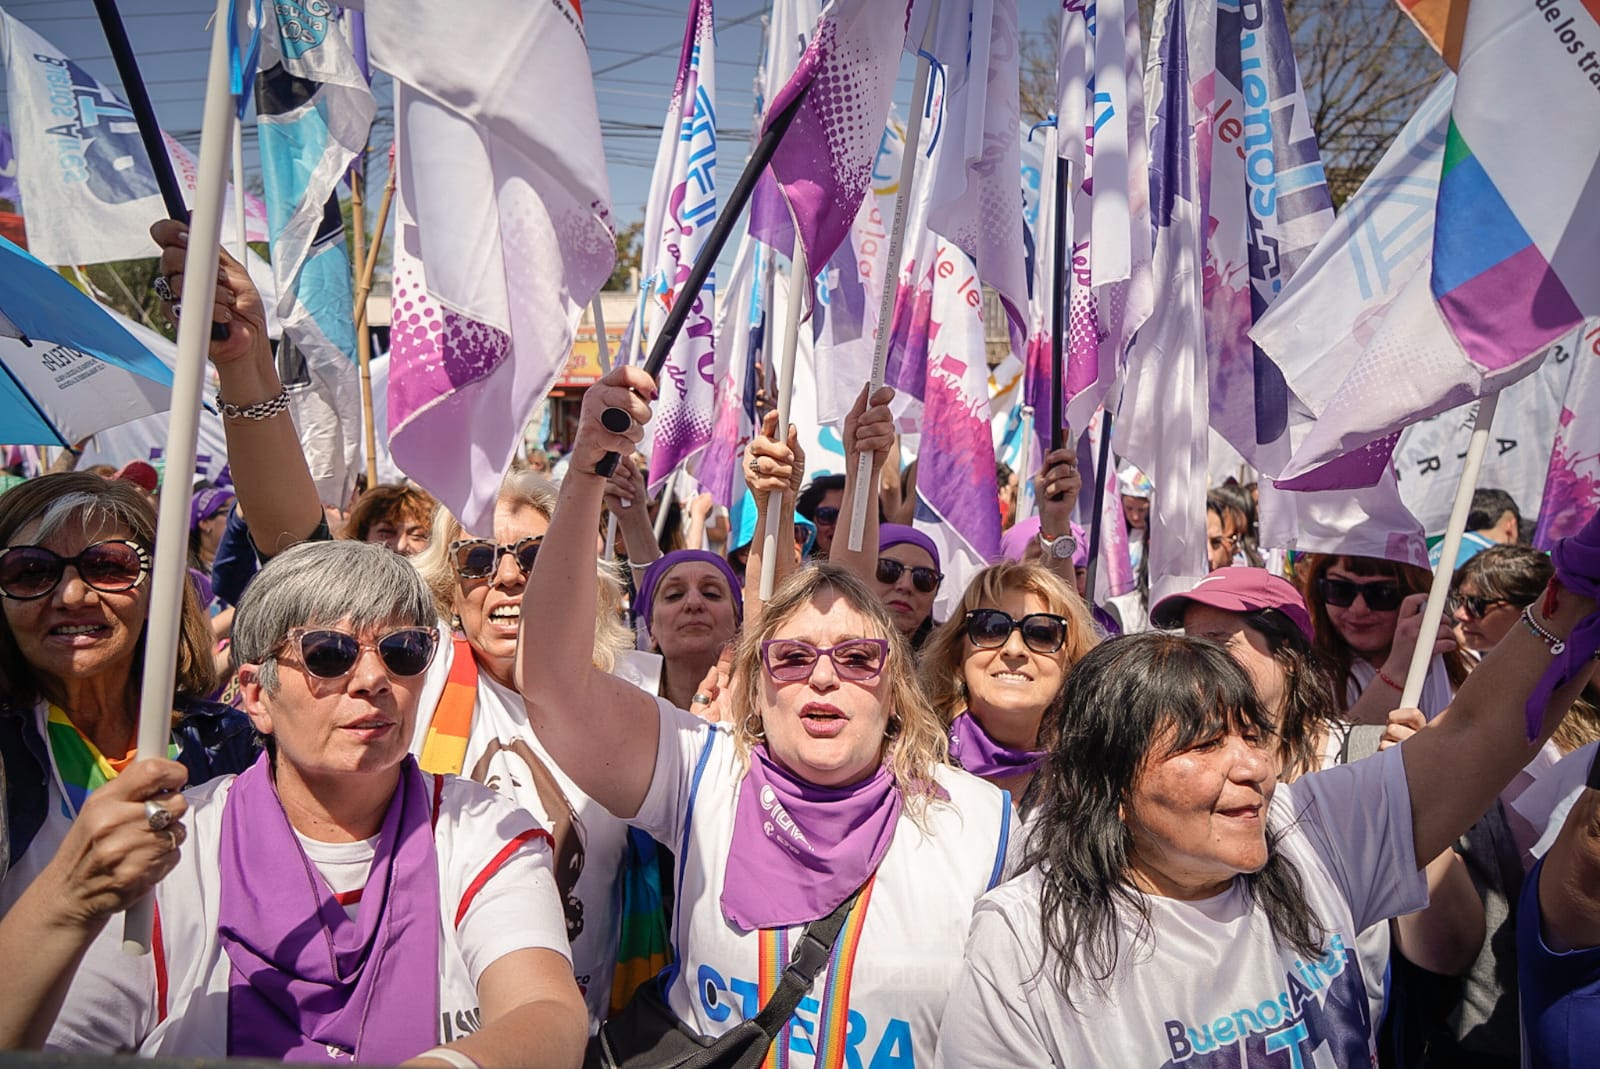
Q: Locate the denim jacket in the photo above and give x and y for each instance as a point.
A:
(213, 740)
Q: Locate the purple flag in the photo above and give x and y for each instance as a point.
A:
(8, 171)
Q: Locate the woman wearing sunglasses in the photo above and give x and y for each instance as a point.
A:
(75, 559)
(907, 579)
(992, 670)
(334, 901)
(828, 778)
(1366, 614)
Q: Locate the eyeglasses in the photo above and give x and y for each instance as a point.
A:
(1475, 606)
(826, 514)
(479, 558)
(331, 654)
(1384, 595)
(925, 580)
(1042, 632)
(1228, 542)
(112, 567)
(788, 660)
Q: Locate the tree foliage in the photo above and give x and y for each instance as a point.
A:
(629, 239)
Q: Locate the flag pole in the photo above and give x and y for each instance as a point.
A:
(368, 266)
(199, 293)
(705, 262)
(897, 239)
(799, 281)
(603, 351)
(1101, 471)
(1433, 611)
(241, 248)
(1059, 284)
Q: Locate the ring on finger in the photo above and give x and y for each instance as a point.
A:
(700, 699)
(172, 838)
(158, 816)
(163, 288)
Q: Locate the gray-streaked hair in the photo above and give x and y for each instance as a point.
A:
(318, 584)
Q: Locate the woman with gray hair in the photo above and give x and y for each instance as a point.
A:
(335, 854)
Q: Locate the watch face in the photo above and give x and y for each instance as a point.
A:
(1063, 548)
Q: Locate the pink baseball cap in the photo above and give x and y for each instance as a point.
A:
(1236, 589)
(141, 473)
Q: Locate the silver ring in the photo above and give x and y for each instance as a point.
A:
(172, 838)
(755, 465)
(700, 699)
(157, 816)
(163, 289)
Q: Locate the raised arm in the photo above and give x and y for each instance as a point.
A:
(869, 428)
(1056, 490)
(277, 496)
(601, 730)
(773, 471)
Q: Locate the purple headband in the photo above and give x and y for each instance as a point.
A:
(207, 503)
(659, 568)
(897, 534)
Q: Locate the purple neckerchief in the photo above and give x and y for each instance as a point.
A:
(972, 747)
(1577, 561)
(305, 979)
(798, 849)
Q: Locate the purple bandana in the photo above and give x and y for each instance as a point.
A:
(1577, 561)
(798, 849)
(304, 976)
(985, 758)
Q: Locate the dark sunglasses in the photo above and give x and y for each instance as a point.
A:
(479, 558)
(330, 654)
(1475, 606)
(788, 660)
(925, 580)
(112, 567)
(826, 514)
(1384, 595)
(1042, 632)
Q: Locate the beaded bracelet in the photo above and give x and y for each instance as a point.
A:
(1401, 687)
(1557, 645)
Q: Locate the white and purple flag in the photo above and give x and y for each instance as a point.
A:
(1572, 485)
(679, 214)
(82, 171)
(823, 166)
(8, 171)
(503, 231)
(741, 338)
(789, 25)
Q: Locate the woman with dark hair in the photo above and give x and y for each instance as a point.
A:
(907, 578)
(1165, 850)
(1366, 613)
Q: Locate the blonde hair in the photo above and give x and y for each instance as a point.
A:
(914, 751)
(525, 487)
(944, 656)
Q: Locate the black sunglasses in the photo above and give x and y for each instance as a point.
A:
(1042, 632)
(1476, 606)
(826, 514)
(479, 558)
(331, 654)
(925, 580)
(1384, 595)
(112, 567)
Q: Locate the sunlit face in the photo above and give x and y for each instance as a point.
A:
(1220, 543)
(76, 631)
(831, 499)
(491, 609)
(907, 605)
(1485, 632)
(358, 724)
(405, 535)
(1009, 688)
(827, 731)
(1247, 645)
(1367, 632)
(1199, 818)
(692, 614)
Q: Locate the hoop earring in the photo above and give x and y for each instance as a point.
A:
(892, 729)
(753, 726)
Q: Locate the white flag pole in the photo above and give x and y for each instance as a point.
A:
(799, 284)
(897, 238)
(1433, 612)
(241, 247)
(1025, 501)
(172, 523)
(603, 350)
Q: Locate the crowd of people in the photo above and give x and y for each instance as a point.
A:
(526, 796)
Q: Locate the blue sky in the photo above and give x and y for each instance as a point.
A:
(633, 47)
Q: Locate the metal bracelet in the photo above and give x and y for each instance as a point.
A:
(258, 411)
(1557, 645)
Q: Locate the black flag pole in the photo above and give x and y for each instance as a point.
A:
(617, 420)
(1096, 520)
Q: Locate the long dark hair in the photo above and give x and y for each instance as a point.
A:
(1124, 699)
(1310, 706)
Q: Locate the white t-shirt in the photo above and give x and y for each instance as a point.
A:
(504, 753)
(1554, 792)
(1437, 693)
(116, 1002)
(1209, 986)
(910, 944)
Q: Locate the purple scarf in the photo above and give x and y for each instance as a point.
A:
(304, 976)
(985, 758)
(1577, 561)
(798, 849)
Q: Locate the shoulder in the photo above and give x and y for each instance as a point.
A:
(971, 797)
(461, 801)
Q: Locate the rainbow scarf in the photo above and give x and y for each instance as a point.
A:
(444, 748)
(82, 766)
(834, 1018)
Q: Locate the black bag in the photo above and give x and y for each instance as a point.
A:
(647, 1035)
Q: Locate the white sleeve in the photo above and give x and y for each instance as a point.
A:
(986, 1021)
(683, 751)
(501, 880)
(1357, 819)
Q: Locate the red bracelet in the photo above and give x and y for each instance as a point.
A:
(1401, 687)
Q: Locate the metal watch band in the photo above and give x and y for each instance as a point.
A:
(258, 411)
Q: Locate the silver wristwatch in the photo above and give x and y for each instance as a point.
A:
(1061, 547)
